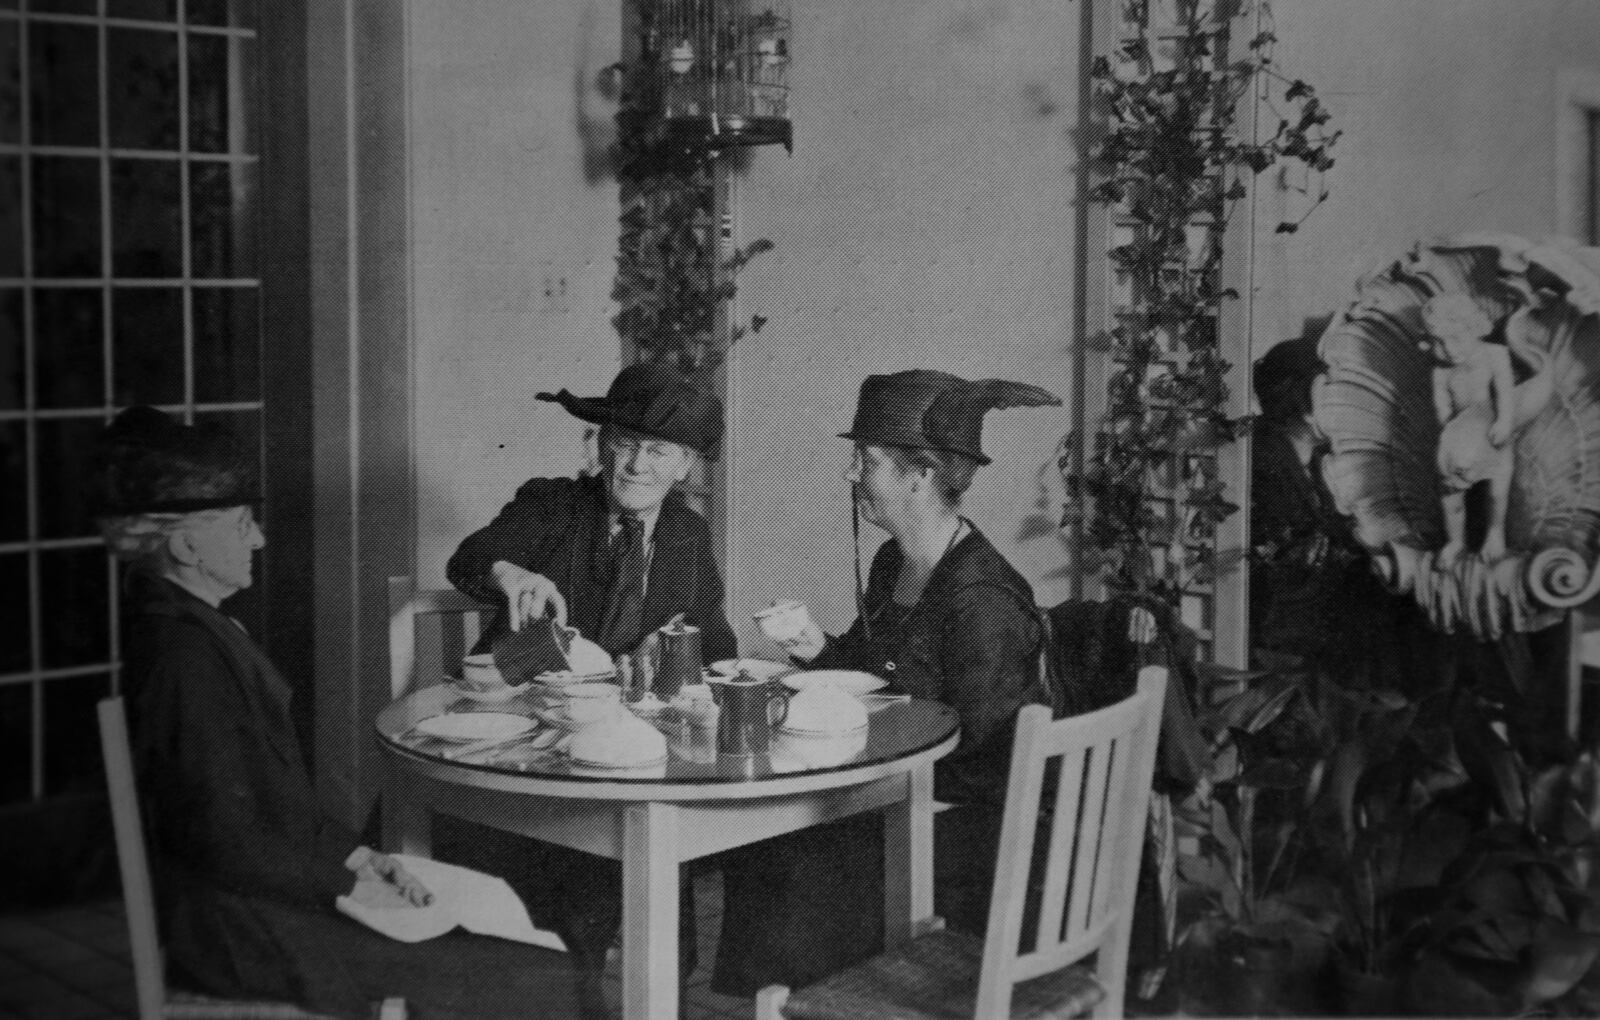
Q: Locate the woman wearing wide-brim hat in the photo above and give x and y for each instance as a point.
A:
(943, 616)
(246, 864)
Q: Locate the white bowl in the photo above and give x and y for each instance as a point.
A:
(824, 709)
(480, 673)
(816, 750)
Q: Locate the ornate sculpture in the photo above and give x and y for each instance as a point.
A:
(1474, 358)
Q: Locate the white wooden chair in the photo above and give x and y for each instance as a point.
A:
(429, 631)
(1089, 877)
(156, 1001)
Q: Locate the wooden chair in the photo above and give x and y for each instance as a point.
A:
(1084, 888)
(429, 631)
(156, 1001)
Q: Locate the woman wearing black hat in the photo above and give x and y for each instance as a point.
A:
(943, 616)
(246, 865)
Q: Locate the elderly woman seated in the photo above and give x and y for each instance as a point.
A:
(246, 865)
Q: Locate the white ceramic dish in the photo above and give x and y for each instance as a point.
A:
(567, 679)
(475, 726)
(495, 696)
(851, 681)
(761, 669)
(823, 734)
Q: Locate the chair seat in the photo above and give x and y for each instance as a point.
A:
(194, 1006)
(935, 977)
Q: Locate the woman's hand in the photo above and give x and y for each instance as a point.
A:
(382, 881)
(528, 595)
(807, 644)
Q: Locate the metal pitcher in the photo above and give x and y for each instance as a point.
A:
(680, 661)
(748, 710)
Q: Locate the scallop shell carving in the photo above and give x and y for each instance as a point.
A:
(1375, 405)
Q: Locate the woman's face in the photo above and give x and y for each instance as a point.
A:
(882, 489)
(224, 545)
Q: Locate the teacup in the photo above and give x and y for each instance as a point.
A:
(480, 673)
(590, 702)
(784, 621)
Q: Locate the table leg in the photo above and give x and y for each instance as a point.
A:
(908, 858)
(650, 912)
(407, 825)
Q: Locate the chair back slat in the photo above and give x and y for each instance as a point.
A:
(1088, 850)
(430, 629)
(1112, 833)
(1064, 826)
(128, 827)
(1096, 833)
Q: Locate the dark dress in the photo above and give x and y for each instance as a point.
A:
(246, 865)
(802, 906)
(560, 527)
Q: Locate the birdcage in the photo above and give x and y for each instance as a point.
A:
(722, 67)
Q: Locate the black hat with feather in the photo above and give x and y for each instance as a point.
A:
(927, 410)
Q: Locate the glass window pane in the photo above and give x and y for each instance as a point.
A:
(14, 501)
(66, 216)
(146, 219)
(147, 346)
(68, 335)
(221, 71)
(16, 742)
(10, 216)
(64, 462)
(15, 655)
(72, 762)
(143, 10)
(63, 6)
(12, 370)
(64, 75)
(227, 13)
(10, 84)
(227, 344)
(222, 197)
(143, 107)
(75, 598)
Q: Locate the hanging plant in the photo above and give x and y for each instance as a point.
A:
(1172, 165)
(674, 273)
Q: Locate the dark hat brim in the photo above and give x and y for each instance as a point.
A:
(910, 440)
(600, 411)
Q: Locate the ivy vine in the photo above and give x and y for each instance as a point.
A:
(1172, 165)
(673, 279)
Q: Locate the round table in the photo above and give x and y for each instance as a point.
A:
(652, 820)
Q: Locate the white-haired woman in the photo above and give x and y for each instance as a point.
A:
(246, 865)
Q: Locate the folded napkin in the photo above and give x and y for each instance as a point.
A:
(539, 647)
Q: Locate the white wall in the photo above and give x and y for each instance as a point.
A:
(513, 241)
(1449, 112)
(924, 220)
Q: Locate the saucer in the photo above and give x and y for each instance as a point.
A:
(464, 726)
(497, 696)
(851, 681)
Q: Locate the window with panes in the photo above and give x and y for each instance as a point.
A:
(128, 275)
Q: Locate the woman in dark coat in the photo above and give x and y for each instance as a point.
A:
(246, 865)
(944, 617)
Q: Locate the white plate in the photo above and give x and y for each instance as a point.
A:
(567, 679)
(606, 766)
(794, 731)
(761, 669)
(475, 726)
(496, 696)
(851, 681)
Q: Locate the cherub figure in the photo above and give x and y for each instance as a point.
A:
(1473, 396)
